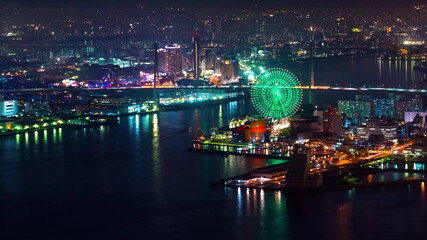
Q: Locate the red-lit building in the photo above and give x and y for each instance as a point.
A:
(332, 121)
(245, 129)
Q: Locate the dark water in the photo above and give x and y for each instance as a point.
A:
(137, 180)
(365, 72)
(360, 72)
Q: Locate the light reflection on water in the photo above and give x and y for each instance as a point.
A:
(423, 190)
(164, 192)
(390, 176)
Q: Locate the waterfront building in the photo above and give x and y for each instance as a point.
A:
(245, 129)
(299, 173)
(377, 127)
(419, 147)
(332, 122)
(305, 128)
(259, 131)
(357, 110)
(108, 99)
(364, 107)
(8, 108)
(112, 109)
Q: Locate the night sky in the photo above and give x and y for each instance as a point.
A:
(200, 3)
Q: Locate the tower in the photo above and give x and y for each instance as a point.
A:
(156, 70)
(196, 42)
(299, 174)
(174, 60)
(310, 90)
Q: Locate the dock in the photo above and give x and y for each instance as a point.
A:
(269, 156)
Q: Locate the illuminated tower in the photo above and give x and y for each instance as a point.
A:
(196, 42)
(156, 70)
(310, 94)
(174, 60)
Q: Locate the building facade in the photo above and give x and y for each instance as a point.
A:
(8, 108)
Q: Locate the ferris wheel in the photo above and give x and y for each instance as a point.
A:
(276, 93)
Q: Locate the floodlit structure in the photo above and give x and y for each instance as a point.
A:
(8, 108)
(275, 94)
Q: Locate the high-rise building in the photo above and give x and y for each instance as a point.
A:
(358, 110)
(208, 60)
(196, 46)
(229, 69)
(332, 122)
(162, 60)
(174, 60)
(364, 107)
(170, 60)
(406, 105)
(420, 14)
(383, 107)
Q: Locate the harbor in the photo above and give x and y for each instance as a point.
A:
(318, 164)
(274, 177)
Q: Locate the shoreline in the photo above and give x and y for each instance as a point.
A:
(191, 149)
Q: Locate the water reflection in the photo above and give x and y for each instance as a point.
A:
(390, 176)
(262, 201)
(156, 159)
(351, 193)
(18, 139)
(344, 213)
(278, 197)
(220, 116)
(102, 133)
(36, 137)
(239, 203)
(45, 141)
(26, 140)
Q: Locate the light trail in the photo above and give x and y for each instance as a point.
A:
(211, 87)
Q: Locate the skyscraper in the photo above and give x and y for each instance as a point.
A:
(196, 42)
(229, 69)
(332, 121)
(174, 60)
(171, 60)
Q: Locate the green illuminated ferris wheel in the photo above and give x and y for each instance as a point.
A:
(276, 93)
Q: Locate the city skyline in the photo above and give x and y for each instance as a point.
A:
(225, 119)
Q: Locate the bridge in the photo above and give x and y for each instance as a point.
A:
(44, 90)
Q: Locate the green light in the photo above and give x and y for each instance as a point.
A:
(274, 93)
